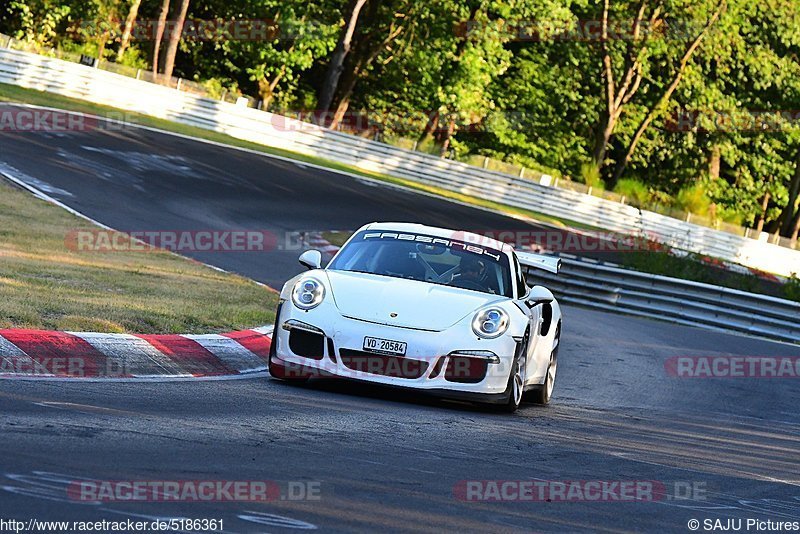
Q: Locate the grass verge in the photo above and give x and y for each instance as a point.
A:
(44, 284)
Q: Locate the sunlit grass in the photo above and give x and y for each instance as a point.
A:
(44, 284)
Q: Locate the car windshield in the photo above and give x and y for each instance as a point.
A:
(427, 259)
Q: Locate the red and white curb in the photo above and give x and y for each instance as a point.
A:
(317, 242)
(39, 354)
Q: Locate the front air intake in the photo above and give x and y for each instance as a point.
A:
(307, 344)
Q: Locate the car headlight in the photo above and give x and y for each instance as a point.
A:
(490, 323)
(308, 293)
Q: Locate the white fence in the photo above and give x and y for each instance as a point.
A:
(610, 288)
(102, 87)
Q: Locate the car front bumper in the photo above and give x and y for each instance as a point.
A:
(336, 350)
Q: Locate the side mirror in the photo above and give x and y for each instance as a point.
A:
(539, 295)
(311, 259)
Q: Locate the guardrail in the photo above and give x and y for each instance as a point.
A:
(87, 83)
(610, 288)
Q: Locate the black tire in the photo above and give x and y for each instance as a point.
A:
(514, 388)
(542, 394)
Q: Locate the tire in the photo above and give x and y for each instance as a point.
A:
(542, 394)
(514, 388)
(292, 375)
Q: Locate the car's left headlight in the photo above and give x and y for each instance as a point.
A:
(308, 293)
(490, 323)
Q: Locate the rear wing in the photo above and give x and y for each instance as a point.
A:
(551, 264)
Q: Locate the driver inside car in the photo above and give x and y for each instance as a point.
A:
(469, 274)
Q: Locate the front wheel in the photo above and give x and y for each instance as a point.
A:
(543, 393)
(516, 383)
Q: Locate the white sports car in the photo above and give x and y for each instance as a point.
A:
(440, 311)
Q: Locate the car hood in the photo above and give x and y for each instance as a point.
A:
(418, 305)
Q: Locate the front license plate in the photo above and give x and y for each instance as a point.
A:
(384, 346)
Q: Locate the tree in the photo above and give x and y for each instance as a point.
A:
(667, 93)
(479, 57)
(343, 47)
(174, 40)
(38, 20)
(637, 56)
(162, 20)
(130, 20)
(377, 29)
(303, 36)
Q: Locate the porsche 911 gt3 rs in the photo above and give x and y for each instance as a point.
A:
(441, 311)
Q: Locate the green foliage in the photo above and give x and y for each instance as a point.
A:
(636, 193)
(38, 20)
(300, 41)
(792, 288)
(134, 58)
(591, 176)
(219, 88)
(693, 199)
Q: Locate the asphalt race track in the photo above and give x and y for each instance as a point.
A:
(137, 180)
(350, 458)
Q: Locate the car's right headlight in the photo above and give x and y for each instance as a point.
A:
(490, 323)
(308, 293)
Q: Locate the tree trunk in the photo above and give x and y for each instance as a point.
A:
(616, 97)
(445, 137)
(341, 52)
(265, 93)
(795, 231)
(126, 34)
(101, 48)
(763, 216)
(162, 20)
(714, 162)
(362, 56)
(174, 39)
(341, 109)
(430, 128)
(347, 85)
(791, 213)
(448, 137)
(266, 88)
(346, 88)
(602, 139)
